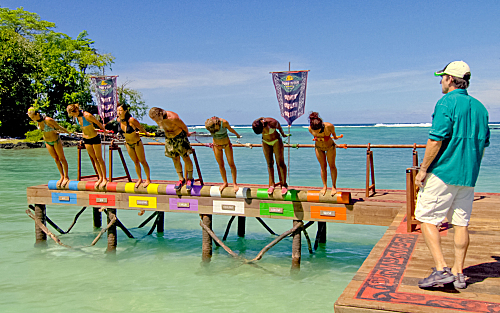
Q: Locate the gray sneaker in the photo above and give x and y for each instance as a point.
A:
(459, 282)
(437, 278)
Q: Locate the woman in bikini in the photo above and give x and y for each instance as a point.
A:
(218, 128)
(129, 127)
(53, 143)
(325, 148)
(91, 140)
(272, 143)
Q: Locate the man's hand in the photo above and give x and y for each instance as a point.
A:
(419, 179)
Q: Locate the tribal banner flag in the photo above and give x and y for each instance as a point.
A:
(291, 92)
(106, 96)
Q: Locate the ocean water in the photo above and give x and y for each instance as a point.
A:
(164, 273)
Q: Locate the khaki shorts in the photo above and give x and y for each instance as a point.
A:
(437, 200)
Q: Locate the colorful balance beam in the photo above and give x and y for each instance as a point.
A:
(341, 197)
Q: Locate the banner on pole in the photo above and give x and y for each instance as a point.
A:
(291, 93)
(106, 96)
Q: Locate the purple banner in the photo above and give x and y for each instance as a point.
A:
(106, 97)
(291, 93)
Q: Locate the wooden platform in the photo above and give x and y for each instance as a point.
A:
(387, 280)
(380, 209)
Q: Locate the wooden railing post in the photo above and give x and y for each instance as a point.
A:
(415, 155)
(370, 171)
(411, 195)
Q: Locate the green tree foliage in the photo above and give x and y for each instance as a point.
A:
(23, 22)
(66, 62)
(133, 99)
(19, 68)
(42, 67)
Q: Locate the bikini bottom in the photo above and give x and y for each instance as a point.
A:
(133, 145)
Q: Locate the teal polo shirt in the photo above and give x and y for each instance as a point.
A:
(461, 123)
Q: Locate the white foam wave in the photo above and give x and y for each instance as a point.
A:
(404, 125)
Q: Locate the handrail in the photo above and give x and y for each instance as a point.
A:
(299, 145)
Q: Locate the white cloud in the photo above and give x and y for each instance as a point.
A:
(178, 76)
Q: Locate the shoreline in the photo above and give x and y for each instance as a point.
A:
(32, 145)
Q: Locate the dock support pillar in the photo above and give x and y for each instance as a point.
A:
(241, 226)
(160, 225)
(40, 215)
(112, 240)
(322, 232)
(97, 218)
(296, 247)
(206, 255)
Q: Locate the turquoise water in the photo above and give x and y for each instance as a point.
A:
(164, 273)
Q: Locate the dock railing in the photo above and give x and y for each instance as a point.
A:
(370, 167)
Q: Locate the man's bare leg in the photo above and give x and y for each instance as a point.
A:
(433, 242)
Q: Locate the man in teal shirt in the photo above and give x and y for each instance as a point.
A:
(449, 171)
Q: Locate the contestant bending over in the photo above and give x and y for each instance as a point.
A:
(325, 148)
(272, 143)
(91, 140)
(218, 128)
(129, 127)
(53, 143)
(176, 144)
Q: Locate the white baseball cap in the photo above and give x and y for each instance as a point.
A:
(456, 68)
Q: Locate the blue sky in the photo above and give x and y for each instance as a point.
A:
(369, 61)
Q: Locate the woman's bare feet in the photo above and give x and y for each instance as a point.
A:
(138, 183)
(65, 182)
(235, 188)
(222, 187)
(97, 183)
(103, 183)
(334, 191)
(146, 183)
(59, 182)
(323, 191)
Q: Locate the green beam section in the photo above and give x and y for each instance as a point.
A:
(277, 209)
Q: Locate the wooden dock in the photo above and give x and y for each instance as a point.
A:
(387, 280)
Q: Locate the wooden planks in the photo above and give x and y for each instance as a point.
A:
(387, 280)
(380, 210)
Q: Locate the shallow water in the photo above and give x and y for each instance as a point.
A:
(164, 273)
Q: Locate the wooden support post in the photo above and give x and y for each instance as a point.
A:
(160, 225)
(80, 147)
(320, 235)
(322, 232)
(228, 227)
(411, 195)
(97, 218)
(241, 226)
(113, 146)
(198, 170)
(415, 155)
(112, 240)
(370, 170)
(206, 255)
(40, 215)
(296, 247)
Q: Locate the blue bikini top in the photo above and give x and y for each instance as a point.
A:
(84, 120)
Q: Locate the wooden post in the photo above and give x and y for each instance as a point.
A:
(296, 247)
(97, 218)
(112, 240)
(160, 225)
(206, 255)
(241, 226)
(322, 232)
(40, 215)
(369, 170)
(415, 155)
(411, 195)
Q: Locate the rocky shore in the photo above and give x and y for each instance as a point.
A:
(31, 145)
